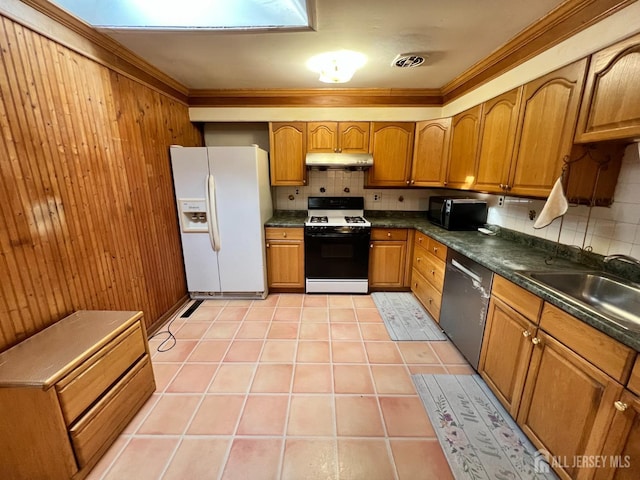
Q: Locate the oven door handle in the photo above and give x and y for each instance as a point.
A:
(337, 235)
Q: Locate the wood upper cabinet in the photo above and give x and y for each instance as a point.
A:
(546, 128)
(464, 148)
(388, 258)
(611, 104)
(622, 443)
(391, 144)
(498, 127)
(285, 258)
(567, 404)
(338, 137)
(288, 143)
(431, 153)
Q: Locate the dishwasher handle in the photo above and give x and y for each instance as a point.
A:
(465, 270)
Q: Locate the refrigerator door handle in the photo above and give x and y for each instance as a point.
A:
(212, 221)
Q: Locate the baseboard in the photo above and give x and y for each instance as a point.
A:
(152, 329)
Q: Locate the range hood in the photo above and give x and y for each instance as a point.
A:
(349, 161)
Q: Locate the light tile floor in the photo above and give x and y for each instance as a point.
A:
(291, 387)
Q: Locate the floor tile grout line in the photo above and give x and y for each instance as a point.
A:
(115, 458)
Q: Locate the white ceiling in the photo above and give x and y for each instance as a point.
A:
(455, 33)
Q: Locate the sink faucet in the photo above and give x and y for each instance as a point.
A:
(622, 258)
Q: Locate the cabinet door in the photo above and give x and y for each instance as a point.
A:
(353, 137)
(611, 105)
(391, 145)
(622, 445)
(506, 352)
(464, 148)
(567, 404)
(497, 138)
(431, 153)
(387, 261)
(288, 142)
(322, 137)
(546, 127)
(285, 264)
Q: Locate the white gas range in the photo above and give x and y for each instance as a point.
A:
(337, 245)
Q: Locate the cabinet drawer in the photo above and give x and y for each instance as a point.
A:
(437, 249)
(429, 266)
(525, 303)
(111, 414)
(78, 390)
(388, 234)
(277, 233)
(427, 294)
(634, 381)
(604, 352)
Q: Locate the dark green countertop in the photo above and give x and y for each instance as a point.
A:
(501, 254)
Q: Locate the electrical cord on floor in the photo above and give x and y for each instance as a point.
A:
(167, 331)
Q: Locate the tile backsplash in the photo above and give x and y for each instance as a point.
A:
(614, 229)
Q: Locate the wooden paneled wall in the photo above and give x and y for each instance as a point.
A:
(87, 214)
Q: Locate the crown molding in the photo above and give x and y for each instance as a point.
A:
(316, 97)
(80, 37)
(568, 19)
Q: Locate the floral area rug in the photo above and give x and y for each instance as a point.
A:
(405, 318)
(479, 438)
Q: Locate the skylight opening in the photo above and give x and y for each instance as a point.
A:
(190, 14)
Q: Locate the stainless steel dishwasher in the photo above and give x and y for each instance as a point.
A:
(465, 299)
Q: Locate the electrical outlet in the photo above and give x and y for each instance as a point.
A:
(377, 196)
(501, 200)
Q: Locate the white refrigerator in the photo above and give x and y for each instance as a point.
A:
(223, 198)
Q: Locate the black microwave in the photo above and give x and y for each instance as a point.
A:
(456, 213)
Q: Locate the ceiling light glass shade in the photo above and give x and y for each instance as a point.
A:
(336, 67)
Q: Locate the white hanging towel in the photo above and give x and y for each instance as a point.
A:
(555, 207)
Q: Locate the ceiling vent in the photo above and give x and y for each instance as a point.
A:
(409, 60)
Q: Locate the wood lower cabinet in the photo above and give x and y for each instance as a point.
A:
(567, 404)
(285, 259)
(392, 147)
(427, 277)
(621, 452)
(288, 143)
(546, 127)
(431, 153)
(67, 392)
(611, 104)
(388, 259)
(465, 134)
(512, 321)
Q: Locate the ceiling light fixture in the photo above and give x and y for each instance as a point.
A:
(336, 67)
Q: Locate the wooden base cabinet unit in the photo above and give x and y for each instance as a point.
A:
(512, 322)
(67, 392)
(388, 259)
(427, 277)
(285, 259)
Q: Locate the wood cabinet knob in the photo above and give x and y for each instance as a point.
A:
(430, 301)
(419, 239)
(304, 182)
(433, 272)
(407, 182)
(536, 341)
(412, 182)
(371, 245)
(435, 249)
(526, 333)
(284, 234)
(268, 245)
(388, 234)
(418, 259)
(415, 285)
(620, 406)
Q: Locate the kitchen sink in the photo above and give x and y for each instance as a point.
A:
(608, 296)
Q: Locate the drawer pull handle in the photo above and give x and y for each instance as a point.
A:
(419, 239)
(526, 334)
(536, 341)
(620, 406)
(435, 249)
